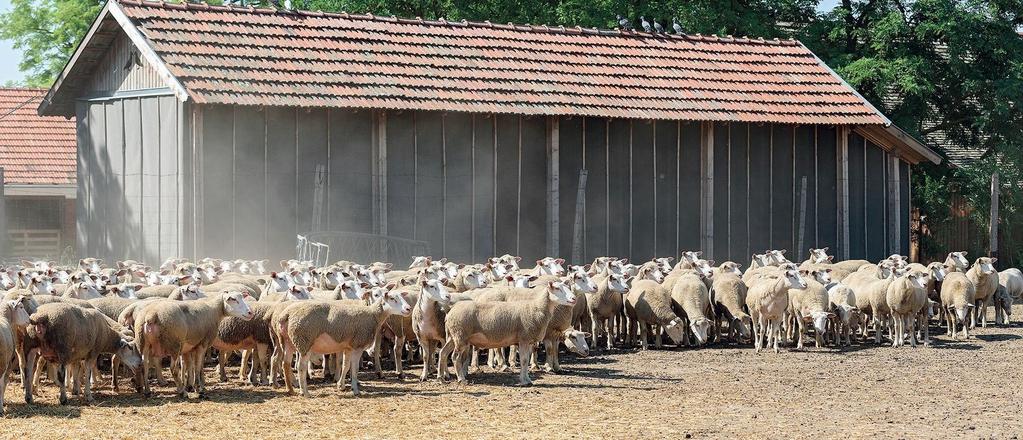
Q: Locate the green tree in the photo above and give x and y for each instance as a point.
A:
(47, 33)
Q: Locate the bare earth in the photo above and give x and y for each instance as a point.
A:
(964, 389)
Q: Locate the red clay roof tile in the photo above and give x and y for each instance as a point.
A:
(247, 56)
(34, 149)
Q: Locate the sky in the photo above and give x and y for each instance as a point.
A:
(10, 57)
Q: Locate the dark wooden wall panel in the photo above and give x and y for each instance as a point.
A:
(533, 206)
(429, 186)
(738, 177)
(458, 186)
(666, 177)
(857, 222)
(250, 183)
(642, 193)
(401, 162)
(722, 219)
(689, 188)
(827, 189)
(570, 161)
(312, 151)
(151, 157)
(619, 193)
(875, 202)
(349, 195)
(483, 184)
(280, 183)
(114, 214)
(904, 206)
(595, 162)
(782, 187)
(759, 213)
(217, 168)
(805, 165)
(134, 246)
(508, 156)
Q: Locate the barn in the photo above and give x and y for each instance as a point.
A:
(225, 131)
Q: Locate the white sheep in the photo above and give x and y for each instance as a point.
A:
(847, 316)
(767, 301)
(691, 300)
(729, 294)
(649, 303)
(957, 298)
(906, 298)
(606, 304)
(13, 317)
(810, 303)
(985, 280)
(493, 324)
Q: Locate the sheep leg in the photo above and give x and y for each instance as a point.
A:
(353, 369)
(342, 370)
(303, 380)
(551, 363)
(62, 383)
(427, 347)
(222, 365)
(643, 329)
(28, 374)
(285, 367)
(3, 388)
(399, 351)
(376, 354)
(146, 358)
(657, 336)
(243, 371)
(442, 360)
(157, 366)
(525, 352)
(259, 360)
(115, 367)
(198, 365)
(37, 378)
(90, 367)
(911, 323)
(511, 361)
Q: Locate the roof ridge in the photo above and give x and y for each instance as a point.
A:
(442, 22)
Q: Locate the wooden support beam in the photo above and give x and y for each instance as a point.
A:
(993, 221)
(843, 191)
(3, 217)
(895, 223)
(707, 189)
(380, 173)
(553, 186)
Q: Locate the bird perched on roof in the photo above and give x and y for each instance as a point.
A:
(623, 23)
(677, 27)
(658, 28)
(646, 24)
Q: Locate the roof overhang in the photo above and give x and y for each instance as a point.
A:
(68, 191)
(67, 88)
(897, 141)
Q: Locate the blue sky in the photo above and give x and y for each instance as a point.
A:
(11, 57)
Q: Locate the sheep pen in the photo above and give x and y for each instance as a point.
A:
(863, 391)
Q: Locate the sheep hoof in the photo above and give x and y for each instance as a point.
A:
(63, 400)
(182, 395)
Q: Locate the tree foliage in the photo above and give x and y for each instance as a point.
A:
(47, 33)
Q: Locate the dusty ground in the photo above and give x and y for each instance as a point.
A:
(964, 389)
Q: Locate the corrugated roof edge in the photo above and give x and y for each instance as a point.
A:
(576, 30)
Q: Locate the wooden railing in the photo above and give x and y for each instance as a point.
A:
(37, 243)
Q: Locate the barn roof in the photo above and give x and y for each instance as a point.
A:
(34, 149)
(249, 56)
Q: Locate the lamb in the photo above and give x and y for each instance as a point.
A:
(690, 299)
(313, 327)
(428, 322)
(13, 317)
(68, 335)
(1003, 305)
(985, 279)
(843, 305)
(649, 303)
(817, 256)
(605, 305)
(767, 301)
(186, 329)
(729, 294)
(875, 293)
(500, 324)
(810, 303)
(957, 298)
(1012, 279)
(236, 334)
(906, 298)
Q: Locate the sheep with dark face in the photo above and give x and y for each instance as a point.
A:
(68, 335)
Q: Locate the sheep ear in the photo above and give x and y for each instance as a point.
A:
(365, 285)
(993, 260)
(309, 288)
(560, 261)
(284, 264)
(517, 259)
(623, 260)
(391, 286)
(509, 278)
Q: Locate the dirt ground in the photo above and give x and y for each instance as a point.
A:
(952, 389)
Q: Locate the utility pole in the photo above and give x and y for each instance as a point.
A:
(993, 227)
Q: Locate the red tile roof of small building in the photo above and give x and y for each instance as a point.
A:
(34, 149)
(269, 57)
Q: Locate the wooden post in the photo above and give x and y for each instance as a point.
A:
(993, 222)
(580, 210)
(380, 175)
(553, 187)
(802, 212)
(319, 197)
(843, 193)
(4, 250)
(707, 189)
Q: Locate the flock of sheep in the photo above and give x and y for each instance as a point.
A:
(61, 320)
